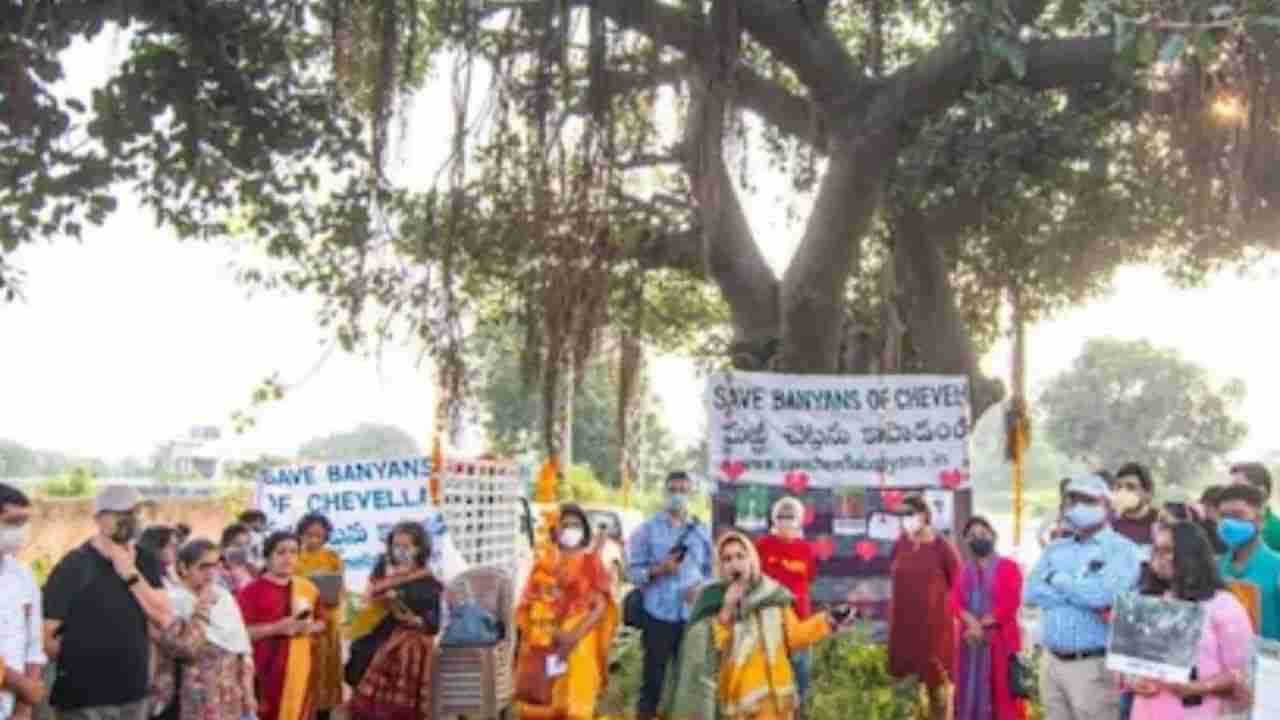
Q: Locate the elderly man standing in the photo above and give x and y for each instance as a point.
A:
(1075, 584)
(669, 556)
(100, 601)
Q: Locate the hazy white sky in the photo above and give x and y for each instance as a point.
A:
(130, 338)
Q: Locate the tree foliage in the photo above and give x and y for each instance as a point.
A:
(365, 441)
(510, 413)
(1125, 401)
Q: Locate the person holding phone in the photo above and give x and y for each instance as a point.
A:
(283, 615)
(669, 557)
(742, 633)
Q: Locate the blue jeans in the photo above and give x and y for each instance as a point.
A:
(800, 663)
(1126, 705)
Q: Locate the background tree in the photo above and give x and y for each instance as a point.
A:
(368, 441)
(510, 413)
(620, 133)
(1127, 401)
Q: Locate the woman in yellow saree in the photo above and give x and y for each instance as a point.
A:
(282, 614)
(567, 618)
(316, 559)
(734, 659)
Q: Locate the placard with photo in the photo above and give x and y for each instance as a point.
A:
(1154, 637)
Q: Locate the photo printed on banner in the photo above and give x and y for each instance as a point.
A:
(1154, 637)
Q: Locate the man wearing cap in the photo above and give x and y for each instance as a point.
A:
(99, 603)
(1075, 584)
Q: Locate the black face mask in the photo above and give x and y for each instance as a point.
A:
(126, 529)
(982, 547)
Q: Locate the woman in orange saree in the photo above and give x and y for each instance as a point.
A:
(282, 614)
(567, 617)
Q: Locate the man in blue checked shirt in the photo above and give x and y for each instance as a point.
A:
(669, 557)
(1074, 585)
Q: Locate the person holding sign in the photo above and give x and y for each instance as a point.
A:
(923, 567)
(985, 601)
(1249, 561)
(323, 567)
(1075, 584)
(735, 658)
(282, 614)
(1183, 558)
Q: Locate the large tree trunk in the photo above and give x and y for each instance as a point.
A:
(813, 288)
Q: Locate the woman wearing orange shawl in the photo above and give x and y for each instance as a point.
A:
(567, 617)
(282, 614)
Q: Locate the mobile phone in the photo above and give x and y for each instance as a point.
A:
(1193, 700)
(303, 615)
(679, 551)
(840, 613)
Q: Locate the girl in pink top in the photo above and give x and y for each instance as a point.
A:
(1183, 557)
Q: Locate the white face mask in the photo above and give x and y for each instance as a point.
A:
(12, 539)
(912, 524)
(571, 537)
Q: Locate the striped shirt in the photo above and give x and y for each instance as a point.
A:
(1074, 582)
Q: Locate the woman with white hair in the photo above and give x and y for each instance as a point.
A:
(734, 659)
(785, 556)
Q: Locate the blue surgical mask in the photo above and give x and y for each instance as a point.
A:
(1235, 532)
(677, 502)
(1083, 517)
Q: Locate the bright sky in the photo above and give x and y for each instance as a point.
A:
(130, 338)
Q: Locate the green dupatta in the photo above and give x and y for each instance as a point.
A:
(691, 688)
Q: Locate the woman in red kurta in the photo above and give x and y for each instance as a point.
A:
(282, 613)
(985, 603)
(923, 568)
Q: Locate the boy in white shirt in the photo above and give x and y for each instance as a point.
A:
(22, 655)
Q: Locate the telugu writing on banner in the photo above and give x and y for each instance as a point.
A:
(363, 501)
(831, 431)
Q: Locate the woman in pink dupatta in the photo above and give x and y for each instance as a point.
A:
(985, 602)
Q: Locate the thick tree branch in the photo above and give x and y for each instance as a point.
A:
(782, 109)
(940, 78)
(814, 282)
(807, 45)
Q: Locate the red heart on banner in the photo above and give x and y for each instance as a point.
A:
(733, 470)
(810, 514)
(866, 550)
(797, 481)
(823, 548)
(952, 479)
(892, 499)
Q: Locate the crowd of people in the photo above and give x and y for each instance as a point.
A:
(144, 623)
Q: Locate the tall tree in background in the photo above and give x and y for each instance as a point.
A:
(366, 441)
(510, 413)
(1127, 401)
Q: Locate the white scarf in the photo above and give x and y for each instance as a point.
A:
(226, 626)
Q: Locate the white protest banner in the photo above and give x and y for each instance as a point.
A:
(839, 430)
(363, 501)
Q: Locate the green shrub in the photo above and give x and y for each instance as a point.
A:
(77, 483)
(849, 672)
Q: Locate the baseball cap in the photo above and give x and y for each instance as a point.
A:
(1090, 485)
(116, 498)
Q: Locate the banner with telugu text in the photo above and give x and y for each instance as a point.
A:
(363, 500)
(830, 431)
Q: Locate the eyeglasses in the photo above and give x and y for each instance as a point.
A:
(207, 566)
(1133, 487)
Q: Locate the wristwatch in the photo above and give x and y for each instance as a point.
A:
(132, 580)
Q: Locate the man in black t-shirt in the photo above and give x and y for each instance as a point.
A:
(99, 601)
